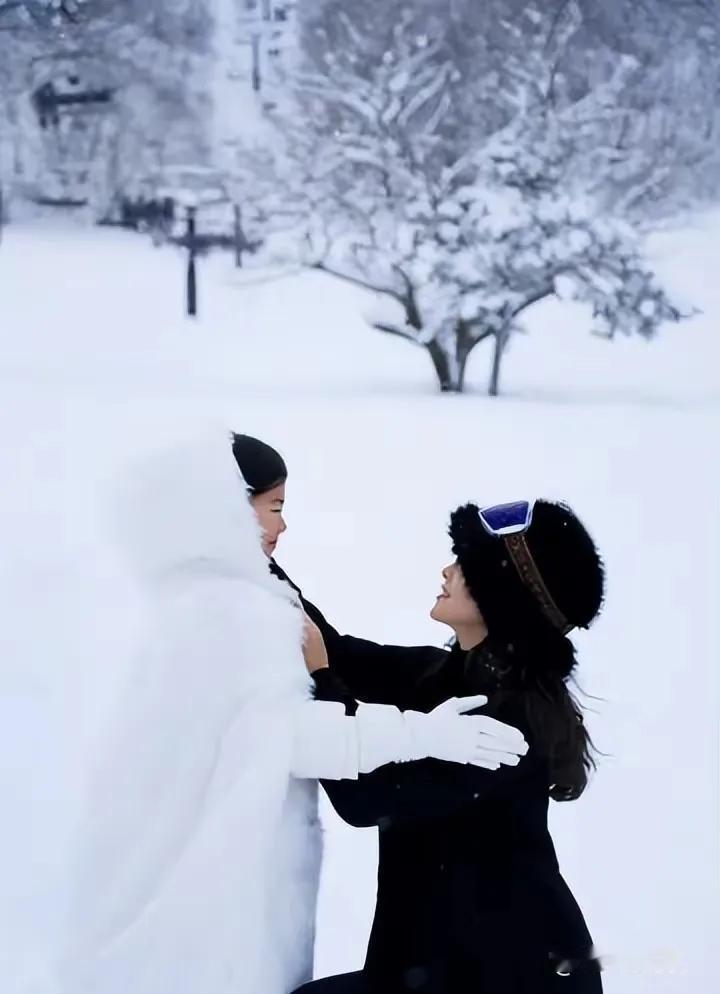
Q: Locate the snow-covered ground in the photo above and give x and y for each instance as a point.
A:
(96, 359)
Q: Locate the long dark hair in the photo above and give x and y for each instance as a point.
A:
(554, 715)
(531, 656)
(557, 721)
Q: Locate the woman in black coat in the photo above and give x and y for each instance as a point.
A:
(470, 897)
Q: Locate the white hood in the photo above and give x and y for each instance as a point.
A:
(184, 509)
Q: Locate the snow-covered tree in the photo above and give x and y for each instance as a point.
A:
(44, 13)
(660, 144)
(660, 141)
(182, 75)
(151, 55)
(466, 259)
(462, 212)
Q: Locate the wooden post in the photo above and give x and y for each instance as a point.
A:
(256, 73)
(191, 292)
(239, 237)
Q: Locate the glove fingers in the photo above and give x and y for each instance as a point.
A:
(484, 764)
(497, 756)
(463, 704)
(489, 743)
(506, 735)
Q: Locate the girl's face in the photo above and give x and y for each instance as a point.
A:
(269, 510)
(454, 606)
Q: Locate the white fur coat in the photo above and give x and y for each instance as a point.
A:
(199, 859)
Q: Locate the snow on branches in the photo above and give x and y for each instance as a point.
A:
(461, 230)
(468, 260)
(43, 12)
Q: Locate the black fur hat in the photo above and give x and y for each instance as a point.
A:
(558, 587)
(262, 466)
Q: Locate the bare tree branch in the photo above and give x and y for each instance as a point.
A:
(392, 330)
(357, 281)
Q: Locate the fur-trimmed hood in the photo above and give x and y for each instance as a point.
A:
(184, 509)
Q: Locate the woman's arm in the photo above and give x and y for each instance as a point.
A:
(335, 732)
(374, 673)
(428, 788)
(336, 739)
(325, 745)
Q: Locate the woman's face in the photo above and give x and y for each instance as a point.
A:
(269, 510)
(454, 606)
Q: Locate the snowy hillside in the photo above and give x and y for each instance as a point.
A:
(96, 358)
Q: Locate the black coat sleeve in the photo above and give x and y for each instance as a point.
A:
(429, 788)
(329, 687)
(378, 674)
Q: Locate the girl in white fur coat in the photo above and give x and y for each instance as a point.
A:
(198, 863)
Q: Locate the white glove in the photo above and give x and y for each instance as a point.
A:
(449, 733)
(386, 735)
